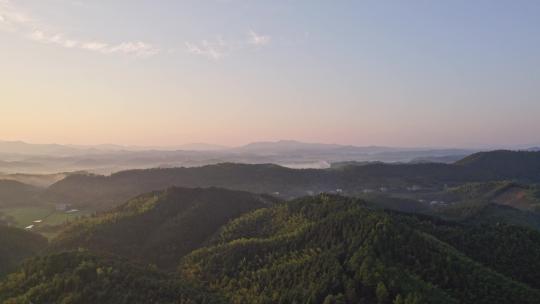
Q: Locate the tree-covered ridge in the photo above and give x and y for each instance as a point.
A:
(81, 277)
(17, 245)
(335, 250)
(483, 212)
(511, 250)
(513, 194)
(160, 227)
(14, 193)
(501, 164)
(101, 192)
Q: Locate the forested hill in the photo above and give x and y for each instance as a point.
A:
(160, 227)
(330, 249)
(14, 193)
(482, 212)
(505, 164)
(85, 278)
(104, 191)
(17, 245)
(320, 249)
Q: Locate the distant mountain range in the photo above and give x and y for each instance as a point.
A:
(184, 147)
(20, 157)
(281, 146)
(20, 147)
(288, 146)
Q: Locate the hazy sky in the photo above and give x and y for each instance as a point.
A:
(401, 73)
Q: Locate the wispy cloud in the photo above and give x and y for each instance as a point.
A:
(10, 18)
(136, 48)
(213, 50)
(219, 48)
(258, 40)
(14, 20)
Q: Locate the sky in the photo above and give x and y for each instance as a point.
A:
(148, 72)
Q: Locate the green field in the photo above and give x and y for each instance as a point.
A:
(25, 216)
(22, 217)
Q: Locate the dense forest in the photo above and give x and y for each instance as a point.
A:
(510, 250)
(505, 164)
(82, 277)
(14, 193)
(331, 249)
(478, 212)
(16, 245)
(160, 227)
(321, 249)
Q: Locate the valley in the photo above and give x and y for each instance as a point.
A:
(240, 233)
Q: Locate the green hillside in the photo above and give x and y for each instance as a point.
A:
(237, 247)
(81, 277)
(14, 193)
(17, 245)
(335, 250)
(483, 212)
(511, 250)
(160, 227)
(513, 194)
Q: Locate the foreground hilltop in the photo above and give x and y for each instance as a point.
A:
(335, 250)
(86, 278)
(321, 249)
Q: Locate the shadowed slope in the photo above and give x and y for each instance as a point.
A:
(160, 227)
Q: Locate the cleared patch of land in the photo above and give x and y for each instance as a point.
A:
(40, 219)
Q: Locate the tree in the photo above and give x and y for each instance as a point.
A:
(399, 300)
(335, 299)
(381, 293)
